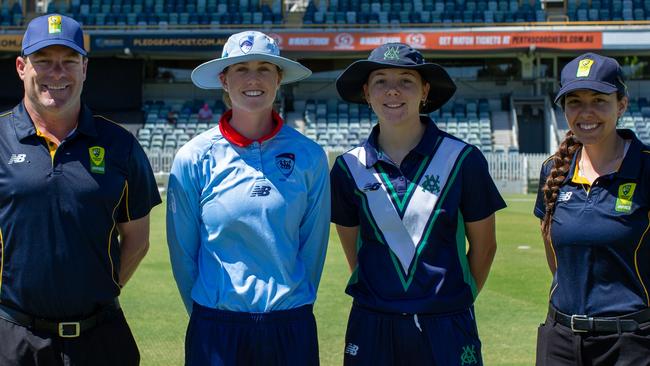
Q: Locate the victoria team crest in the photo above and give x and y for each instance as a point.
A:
(285, 163)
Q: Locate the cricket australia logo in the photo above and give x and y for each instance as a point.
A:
(351, 349)
(431, 184)
(17, 159)
(285, 163)
(97, 162)
(624, 199)
(468, 357)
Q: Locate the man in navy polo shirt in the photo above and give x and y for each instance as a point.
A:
(75, 196)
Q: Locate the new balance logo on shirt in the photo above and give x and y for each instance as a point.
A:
(260, 191)
(351, 349)
(371, 187)
(564, 196)
(17, 158)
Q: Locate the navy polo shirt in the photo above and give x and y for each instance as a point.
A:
(438, 280)
(600, 239)
(59, 210)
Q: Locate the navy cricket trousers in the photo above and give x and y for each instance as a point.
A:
(227, 338)
(391, 339)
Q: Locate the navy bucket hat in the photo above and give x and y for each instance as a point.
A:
(396, 55)
(594, 72)
(53, 29)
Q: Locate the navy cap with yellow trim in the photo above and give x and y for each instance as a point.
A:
(594, 72)
(53, 29)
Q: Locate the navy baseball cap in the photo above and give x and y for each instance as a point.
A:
(594, 72)
(53, 29)
(396, 55)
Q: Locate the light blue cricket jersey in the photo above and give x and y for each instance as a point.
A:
(248, 227)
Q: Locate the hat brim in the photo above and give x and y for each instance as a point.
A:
(206, 75)
(53, 42)
(598, 86)
(350, 83)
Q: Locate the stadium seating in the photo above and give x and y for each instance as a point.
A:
(334, 124)
(338, 125)
(11, 13)
(163, 13)
(159, 133)
(398, 12)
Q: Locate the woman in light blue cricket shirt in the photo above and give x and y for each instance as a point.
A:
(403, 204)
(248, 218)
(594, 202)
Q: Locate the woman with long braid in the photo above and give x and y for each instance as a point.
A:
(594, 205)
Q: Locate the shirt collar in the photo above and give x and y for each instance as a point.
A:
(630, 166)
(236, 138)
(24, 125)
(424, 147)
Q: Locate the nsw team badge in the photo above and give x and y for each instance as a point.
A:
(97, 162)
(285, 163)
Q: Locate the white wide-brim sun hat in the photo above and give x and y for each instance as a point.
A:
(243, 47)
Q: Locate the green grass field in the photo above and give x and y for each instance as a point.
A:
(509, 308)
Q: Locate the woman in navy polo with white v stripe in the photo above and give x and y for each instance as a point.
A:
(403, 204)
(594, 202)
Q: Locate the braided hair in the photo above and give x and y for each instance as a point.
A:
(561, 163)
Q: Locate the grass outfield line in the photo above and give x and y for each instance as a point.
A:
(509, 308)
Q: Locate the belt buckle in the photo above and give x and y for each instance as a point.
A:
(573, 318)
(69, 329)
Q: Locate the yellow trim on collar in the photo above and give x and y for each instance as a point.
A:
(51, 145)
(577, 178)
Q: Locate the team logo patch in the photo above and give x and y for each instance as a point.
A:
(468, 357)
(246, 44)
(564, 196)
(54, 24)
(391, 54)
(624, 199)
(431, 184)
(97, 162)
(584, 67)
(285, 163)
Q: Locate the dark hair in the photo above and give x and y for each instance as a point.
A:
(561, 163)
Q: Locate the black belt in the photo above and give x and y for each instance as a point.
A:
(64, 329)
(583, 323)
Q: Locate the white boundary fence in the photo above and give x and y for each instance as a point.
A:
(512, 172)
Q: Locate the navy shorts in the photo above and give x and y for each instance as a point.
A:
(387, 339)
(227, 338)
(558, 345)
